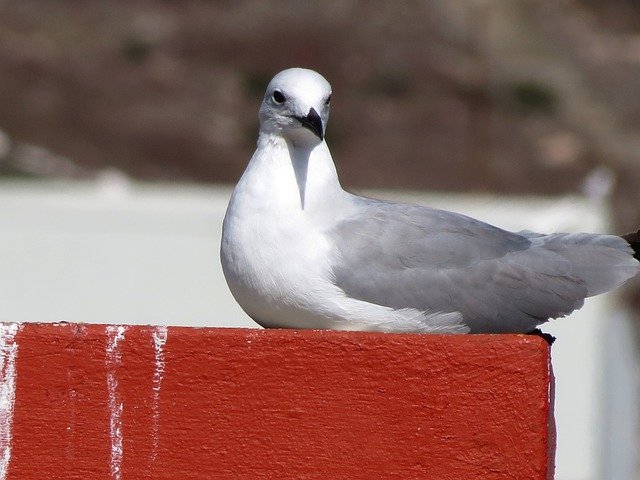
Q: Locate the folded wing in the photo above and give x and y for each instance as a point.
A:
(405, 256)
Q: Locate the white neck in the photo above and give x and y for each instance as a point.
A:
(297, 178)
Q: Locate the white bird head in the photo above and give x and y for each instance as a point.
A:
(296, 107)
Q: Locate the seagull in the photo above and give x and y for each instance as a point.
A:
(298, 251)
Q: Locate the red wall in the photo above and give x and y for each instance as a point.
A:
(99, 402)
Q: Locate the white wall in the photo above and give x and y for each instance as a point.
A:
(115, 252)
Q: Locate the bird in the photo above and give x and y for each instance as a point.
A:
(299, 251)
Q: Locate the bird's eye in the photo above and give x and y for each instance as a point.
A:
(278, 96)
(328, 100)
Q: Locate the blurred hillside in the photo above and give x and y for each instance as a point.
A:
(508, 96)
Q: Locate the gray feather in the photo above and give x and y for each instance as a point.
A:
(407, 256)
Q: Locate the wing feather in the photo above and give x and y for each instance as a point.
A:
(433, 261)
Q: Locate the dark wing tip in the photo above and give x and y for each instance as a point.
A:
(547, 337)
(633, 239)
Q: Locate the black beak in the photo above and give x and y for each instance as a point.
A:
(313, 122)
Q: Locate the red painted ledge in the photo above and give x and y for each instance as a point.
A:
(106, 402)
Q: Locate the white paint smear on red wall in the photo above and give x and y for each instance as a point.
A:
(115, 335)
(8, 355)
(159, 340)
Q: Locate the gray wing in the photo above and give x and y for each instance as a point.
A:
(405, 256)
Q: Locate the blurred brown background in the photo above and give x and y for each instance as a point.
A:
(510, 96)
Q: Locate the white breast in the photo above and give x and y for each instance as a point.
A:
(275, 255)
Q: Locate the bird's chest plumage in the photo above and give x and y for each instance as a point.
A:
(259, 240)
(273, 251)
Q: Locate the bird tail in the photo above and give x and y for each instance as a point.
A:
(633, 239)
(602, 262)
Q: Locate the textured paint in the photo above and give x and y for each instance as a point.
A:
(115, 335)
(265, 404)
(8, 353)
(159, 341)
